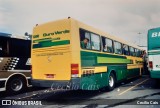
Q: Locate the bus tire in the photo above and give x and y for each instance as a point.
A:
(16, 84)
(111, 82)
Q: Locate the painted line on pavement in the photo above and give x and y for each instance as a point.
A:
(133, 87)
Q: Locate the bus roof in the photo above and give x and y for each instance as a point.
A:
(94, 30)
(154, 28)
(7, 35)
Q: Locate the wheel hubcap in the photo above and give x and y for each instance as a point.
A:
(111, 81)
(16, 85)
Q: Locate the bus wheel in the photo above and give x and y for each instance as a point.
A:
(16, 85)
(111, 82)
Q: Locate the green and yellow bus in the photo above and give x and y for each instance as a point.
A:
(71, 54)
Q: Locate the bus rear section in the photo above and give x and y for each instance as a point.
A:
(51, 54)
(154, 52)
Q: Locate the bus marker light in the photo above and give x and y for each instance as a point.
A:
(150, 64)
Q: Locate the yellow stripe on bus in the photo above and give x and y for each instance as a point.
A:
(133, 66)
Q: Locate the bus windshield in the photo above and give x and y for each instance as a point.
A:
(10, 47)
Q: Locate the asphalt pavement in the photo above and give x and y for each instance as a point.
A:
(142, 92)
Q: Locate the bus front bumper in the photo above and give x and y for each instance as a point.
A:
(69, 84)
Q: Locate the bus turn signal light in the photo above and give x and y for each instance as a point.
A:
(74, 70)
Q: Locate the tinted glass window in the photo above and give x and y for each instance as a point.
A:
(107, 45)
(117, 47)
(85, 39)
(19, 48)
(4, 46)
(132, 51)
(138, 53)
(95, 42)
(125, 49)
(89, 40)
(12, 47)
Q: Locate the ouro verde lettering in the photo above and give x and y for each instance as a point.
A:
(48, 34)
(55, 33)
(62, 32)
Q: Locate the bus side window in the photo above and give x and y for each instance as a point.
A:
(17, 45)
(107, 45)
(4, 47)
(136, 52)
(117, 47)
(95, 41)
(132, 51)
(125, 49)
(85, 39)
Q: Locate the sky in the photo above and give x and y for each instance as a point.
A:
(127, 19)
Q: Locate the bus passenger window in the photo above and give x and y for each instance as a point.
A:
(4, 47)
(140, 55)
(84, 39)
(137, 51)
(125, 49)
(89, 40)
(117, 47)
(107, 45)
(95, 41)
(1, 53)
(132, 51)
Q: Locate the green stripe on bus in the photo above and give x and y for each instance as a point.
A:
(155, 74)
(154, 53)
(99, 59)
(42, 40)
(50, 43)
(112, 60)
